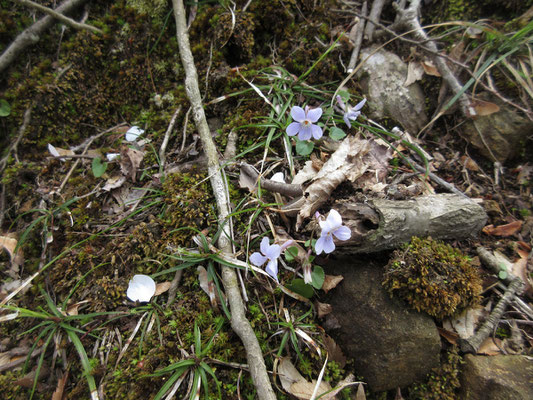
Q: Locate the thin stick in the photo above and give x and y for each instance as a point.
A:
(239, 323)
(358, 39)
(375, 12)
(25, 122)
(32, 34)
(164, 145)
(69, 21)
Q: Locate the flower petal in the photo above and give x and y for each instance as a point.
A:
(258, 259)
(329, 246)
(316, 131)
(278, 177)
(141, 288)
(305, 133)
(133, 133)
(360, 105)
(297, 113)
(319, 245)
(342, 233)
(273, 251)
(265, 243)
(307, 274)
(272, 269)
(293, 128)
(334, 219)
(314, 114)
(346, 120)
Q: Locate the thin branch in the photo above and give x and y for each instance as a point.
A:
(32, 34)
(358, 39)
(163, 149)
(239, 323)
(375, 12)
(25, 122)
(66, 20)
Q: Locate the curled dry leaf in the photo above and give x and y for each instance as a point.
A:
(207, 285)
(161, 288)
(130, 161)
(490, 347)
(429, 68)
(503, 230)
(334, 351)
(323, 309)
(295, 384)
(465, 323)
(485, 107)
(9, 244)
(331, 282)
(307, 173)
(415, 72)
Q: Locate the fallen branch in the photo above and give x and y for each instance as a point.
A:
(13, 148)
(239, 323)
(66, 20)
(32, 34)
(375, 12)
(358, 39)
(268, 184)
(472, 344)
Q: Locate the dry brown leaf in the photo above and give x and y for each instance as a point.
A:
(331, 282)
(207, 285)
(304, 175)
(465, 323)
(114, 182)
(415, 72)
(323, 309)
(346, 163)
(503, 230)
(450, 336)
(519, 268)
(60, 388)
(161, 288)
(469, 163)
(334, 351)
(246, 181)
(9, 244)
(295, 384)
(485, 107)
(360, 395)
(130, 161)
(489, 347)
(430, 69)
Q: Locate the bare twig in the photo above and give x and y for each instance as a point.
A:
(472, 344)
(239, 323)
(25, 122)
(163, 149)
(32, 34)
(69, 21)
(375, 12)
(358, 39)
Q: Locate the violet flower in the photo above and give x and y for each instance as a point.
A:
(270, 253)
(303, 125)
(332, 226)
(350, 113)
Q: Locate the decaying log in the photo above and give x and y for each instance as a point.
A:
(385, 224)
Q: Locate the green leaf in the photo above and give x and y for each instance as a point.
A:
(302, 288)
(304, 147)
(5, 108)
(502, 275)
(336, 133)
(98, 167)
(503, 267)
(345, 96)
(291, 253)
(317, 276)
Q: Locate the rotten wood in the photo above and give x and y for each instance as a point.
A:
(385, 224)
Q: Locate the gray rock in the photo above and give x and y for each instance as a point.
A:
(391, 345)
(504, 132)
(382, 77)
(498, 377)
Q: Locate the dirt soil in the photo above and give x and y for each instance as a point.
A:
(83, 209)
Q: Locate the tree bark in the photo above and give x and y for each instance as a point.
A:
(385, 224)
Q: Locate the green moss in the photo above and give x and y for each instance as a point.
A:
(433, 277)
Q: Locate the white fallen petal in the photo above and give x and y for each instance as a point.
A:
(278, 177)
(53, 150)
(141, 288)
(111, 156)
(133, 133)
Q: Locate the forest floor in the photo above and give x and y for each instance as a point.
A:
(103, 177)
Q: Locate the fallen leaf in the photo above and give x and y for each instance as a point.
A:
(465, 323)
(334, 350)
(9, 244)
(398, 394)
(485, 107)
(161, 288)
(114, 182)
(246, 181)
(489, 347)
(304, 175)
(415, 72)
(360, 395)
(323, 309)
(60, 388)
(295, 384)
(447, 334)
(58, 152)
(207, 285)
(331, 282)
(130, 161)
(430, 69)
(469, 163)
(503, 230)
(519, 268)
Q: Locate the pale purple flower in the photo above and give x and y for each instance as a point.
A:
(332, 226)
(306, 266)
(303, 125)
(350, 113)
(270, 253)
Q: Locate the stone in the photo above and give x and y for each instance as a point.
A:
(499, 136)
(390, 344)
(508, 377)
(382, 78)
